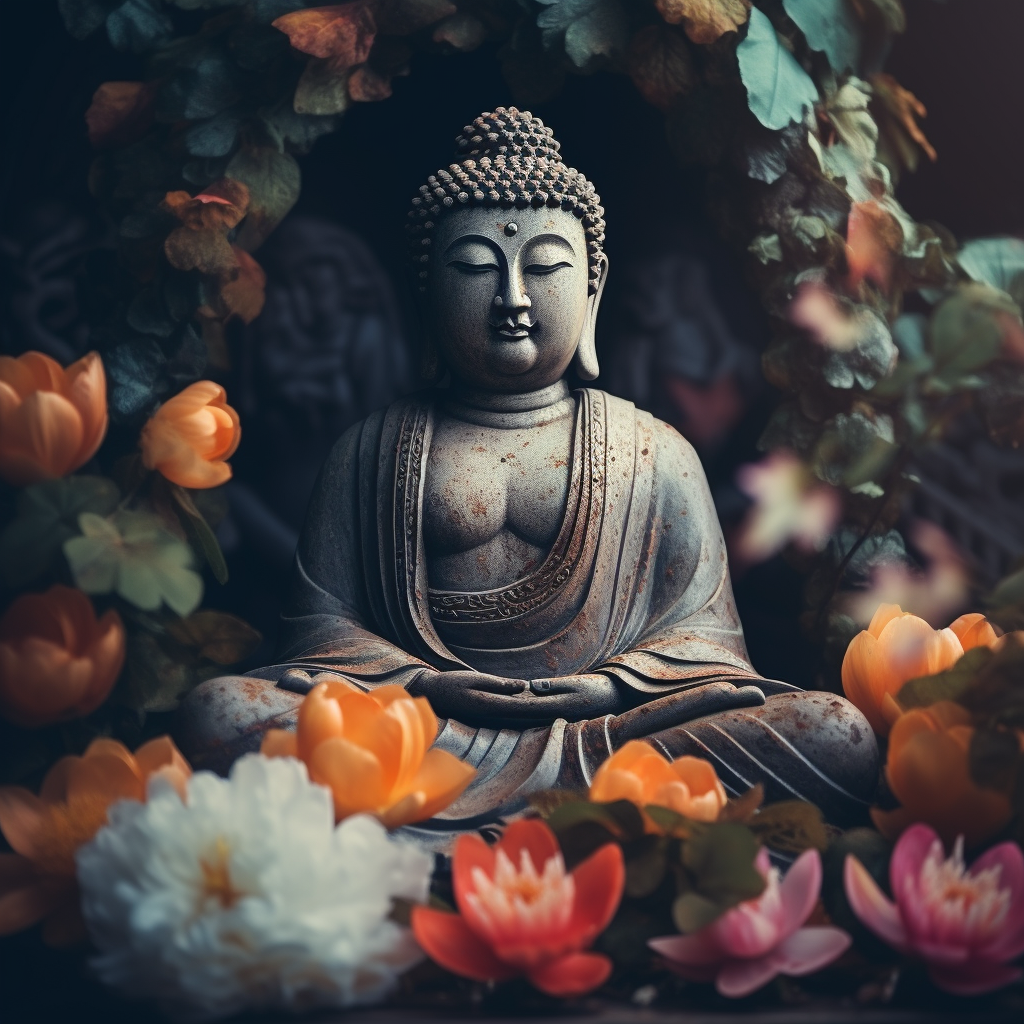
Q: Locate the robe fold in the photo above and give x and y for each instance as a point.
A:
(636, 586)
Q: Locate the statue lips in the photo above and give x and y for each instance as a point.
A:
(515, 329)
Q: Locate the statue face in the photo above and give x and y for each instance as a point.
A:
(508, 305)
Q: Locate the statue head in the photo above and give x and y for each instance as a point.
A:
(507, 247)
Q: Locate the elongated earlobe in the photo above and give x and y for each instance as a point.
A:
(585, 363)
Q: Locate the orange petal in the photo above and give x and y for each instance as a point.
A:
(531, 835)
(614, 785)
(158, 754)
(320, 719)
(599, 882)
(406, 811)
(107, 655)
(442, 777)
(87, 389)
(46, 429)
(21, 815)
(571, 975)
(884, 614)
(352, 773)
(470, 852)
(450, 942)
(974, 630)
(22, 907)
(280, 743)
(104, 778)
(55, 785)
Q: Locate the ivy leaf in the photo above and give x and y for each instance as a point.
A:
(367, 85)
(83, 17)
(462, 31)
(203, 538)
(778, 89)
(998, 262)
(966, 330)
(660, 65)
(217, 636)
(139, 25)
(587, 28)
(135, 555)
(830, 27)
(120, 113)
(705, 21)
(273, 180)
(342, 35)
(46, 515)
(213, 137)
(299, 131)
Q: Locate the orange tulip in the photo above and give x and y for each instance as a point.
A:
(52, 420)
(57, 660)
(929, 774)
(191, 435)
(639, 773)
(895, 648)
(37, 881)
(372, 751)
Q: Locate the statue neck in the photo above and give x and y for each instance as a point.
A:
(509, 411)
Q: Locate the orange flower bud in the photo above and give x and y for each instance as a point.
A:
(372, 751)
(895, 648)
(37, 881)
(639, 773)
(52, 420)
(929, 773)
(191, 435)
(57, 661)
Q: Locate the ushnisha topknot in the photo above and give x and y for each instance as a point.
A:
(509, 159)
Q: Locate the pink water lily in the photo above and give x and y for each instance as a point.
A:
(761, 938)
(965, 924)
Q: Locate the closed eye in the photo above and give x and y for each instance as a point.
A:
(473, 268)
(540, 269)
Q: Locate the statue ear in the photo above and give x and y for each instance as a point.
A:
(585, 362)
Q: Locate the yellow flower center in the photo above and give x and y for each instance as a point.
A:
(217, 884)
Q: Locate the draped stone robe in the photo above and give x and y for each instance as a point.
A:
(636, 586)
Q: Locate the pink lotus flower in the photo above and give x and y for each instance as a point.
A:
(964, 924)
(752, 943)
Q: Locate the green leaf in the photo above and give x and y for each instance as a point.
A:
(779, 91)
(949, 685)
(998, 262)
(829, 26)
(83, 17)
(721, 860)
(155, 680)
(203, 539)
(646, 864)
(46, 515)
(299, 131)
(583, 827)
(213, 137)
(134, 554)
(587, 28)
(321, 90)
(139, 25)
(274, 182)
(965, 330)
(994, 757)
(791, 826)
(216, 636)
(691, 912)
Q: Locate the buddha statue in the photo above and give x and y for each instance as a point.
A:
(545, 566)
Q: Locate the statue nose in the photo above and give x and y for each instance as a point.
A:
(512, 297)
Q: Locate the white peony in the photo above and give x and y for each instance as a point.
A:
(248, 896)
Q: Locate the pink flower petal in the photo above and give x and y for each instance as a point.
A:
(912, 850)
(975, 978)
(941, 952)
(809, 949)
(739, 978)
(871, 906)
(800, 890)
(1009, 943)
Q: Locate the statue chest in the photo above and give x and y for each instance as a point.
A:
(494, 501)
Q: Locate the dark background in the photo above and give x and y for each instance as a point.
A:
(961, 59)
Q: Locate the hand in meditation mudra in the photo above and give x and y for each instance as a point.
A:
(545, 566)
